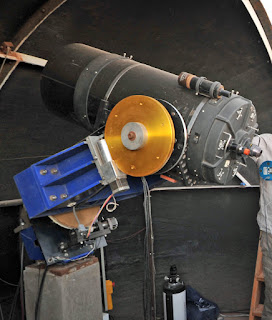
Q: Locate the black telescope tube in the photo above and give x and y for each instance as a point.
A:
(83, 82)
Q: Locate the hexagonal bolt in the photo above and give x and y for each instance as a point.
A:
(63, 196)
(54, 171)
(43, 172)
(53, 197)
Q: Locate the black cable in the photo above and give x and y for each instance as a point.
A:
(131, 236)
(1, 312)
(91, 196)
(40, 293)
(8, 283)
(97, 130)
(22, 283)
(91, 134)
(19, 288)
(14, 302)
(149, 265)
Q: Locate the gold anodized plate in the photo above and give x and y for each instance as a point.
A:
(160, 135)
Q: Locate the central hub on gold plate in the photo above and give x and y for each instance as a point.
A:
(134, 135)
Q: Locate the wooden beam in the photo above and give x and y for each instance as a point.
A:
(21, 57)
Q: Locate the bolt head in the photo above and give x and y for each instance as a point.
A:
(131, 135)
(53, 197)
(43, 172)
(63, 196)
(54, 171)
(70, 205)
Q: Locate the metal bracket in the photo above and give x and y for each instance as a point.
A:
(106, 166)
(25, 222)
